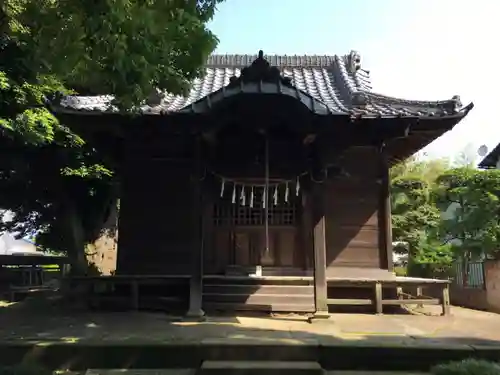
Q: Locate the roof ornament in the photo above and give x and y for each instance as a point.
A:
(353, 62)
(359, 99)
(454, 105)
(260, 71)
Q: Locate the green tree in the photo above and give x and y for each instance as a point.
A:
(413, 212)
(52, 181)
(415, 217)
(474, 224)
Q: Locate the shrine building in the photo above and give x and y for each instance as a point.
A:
(265, 188)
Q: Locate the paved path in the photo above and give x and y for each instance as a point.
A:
(43, 322)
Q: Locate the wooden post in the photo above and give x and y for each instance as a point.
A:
(319, 234)
(378, 298)
(196, 281)
(384, 213)
(399, 292)
(445, 301)
(134, 295)
(419, 296)
(306, 232)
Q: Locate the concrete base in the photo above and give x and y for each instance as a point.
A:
(332, 356)
(260, 368)
(319, 316)
(135, 371)
(195, 316)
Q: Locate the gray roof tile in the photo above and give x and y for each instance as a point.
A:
(338, 82)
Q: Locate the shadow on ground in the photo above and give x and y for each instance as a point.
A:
(40, 329)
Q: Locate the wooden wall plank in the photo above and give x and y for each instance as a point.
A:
(352, 212)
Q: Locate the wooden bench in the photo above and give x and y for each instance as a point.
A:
(401, 299)
(98, 289)
(14, 290)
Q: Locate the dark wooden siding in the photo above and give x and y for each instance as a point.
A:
(352, 205)
(155, 219)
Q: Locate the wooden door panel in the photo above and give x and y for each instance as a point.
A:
(223, 248)
(242, 248)
(247, 246)
(287, 240)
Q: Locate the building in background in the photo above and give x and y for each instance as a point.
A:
(492, 160)
(10, 245)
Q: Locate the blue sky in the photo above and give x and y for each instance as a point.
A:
(415, 49)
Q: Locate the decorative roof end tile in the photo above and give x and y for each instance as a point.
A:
(353, 62)
(453, 106)
(458, 102)
(359, 99)
(260, 71)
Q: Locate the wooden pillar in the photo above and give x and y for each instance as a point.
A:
(384, 213)
(378, 298)
(207, 227)
(306, 232)
(445, 300)
(419, 296)
(196, 280)
(134, 294)
(319, 235)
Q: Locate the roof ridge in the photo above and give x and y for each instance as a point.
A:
(393, 99)
(244, 60)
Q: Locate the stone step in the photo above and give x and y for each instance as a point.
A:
(260, 368)
(335, 372)
(194, 372)
(138, 371)
(260, 299)
(211, 306)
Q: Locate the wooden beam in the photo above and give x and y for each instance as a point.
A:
(384, 213)
(350, 301)
(420, 301)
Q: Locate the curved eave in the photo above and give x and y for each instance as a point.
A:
(421, 133)
(86, 123)
(207, 103)
(356, 112)
(368, 103)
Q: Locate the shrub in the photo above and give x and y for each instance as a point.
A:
(400, 271)
(467, 367)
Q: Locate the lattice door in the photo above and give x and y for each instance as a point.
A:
(229, 214)
(242, 229)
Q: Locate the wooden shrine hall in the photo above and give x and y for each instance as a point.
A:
(265, 188)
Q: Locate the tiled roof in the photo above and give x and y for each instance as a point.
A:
(337, 82)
